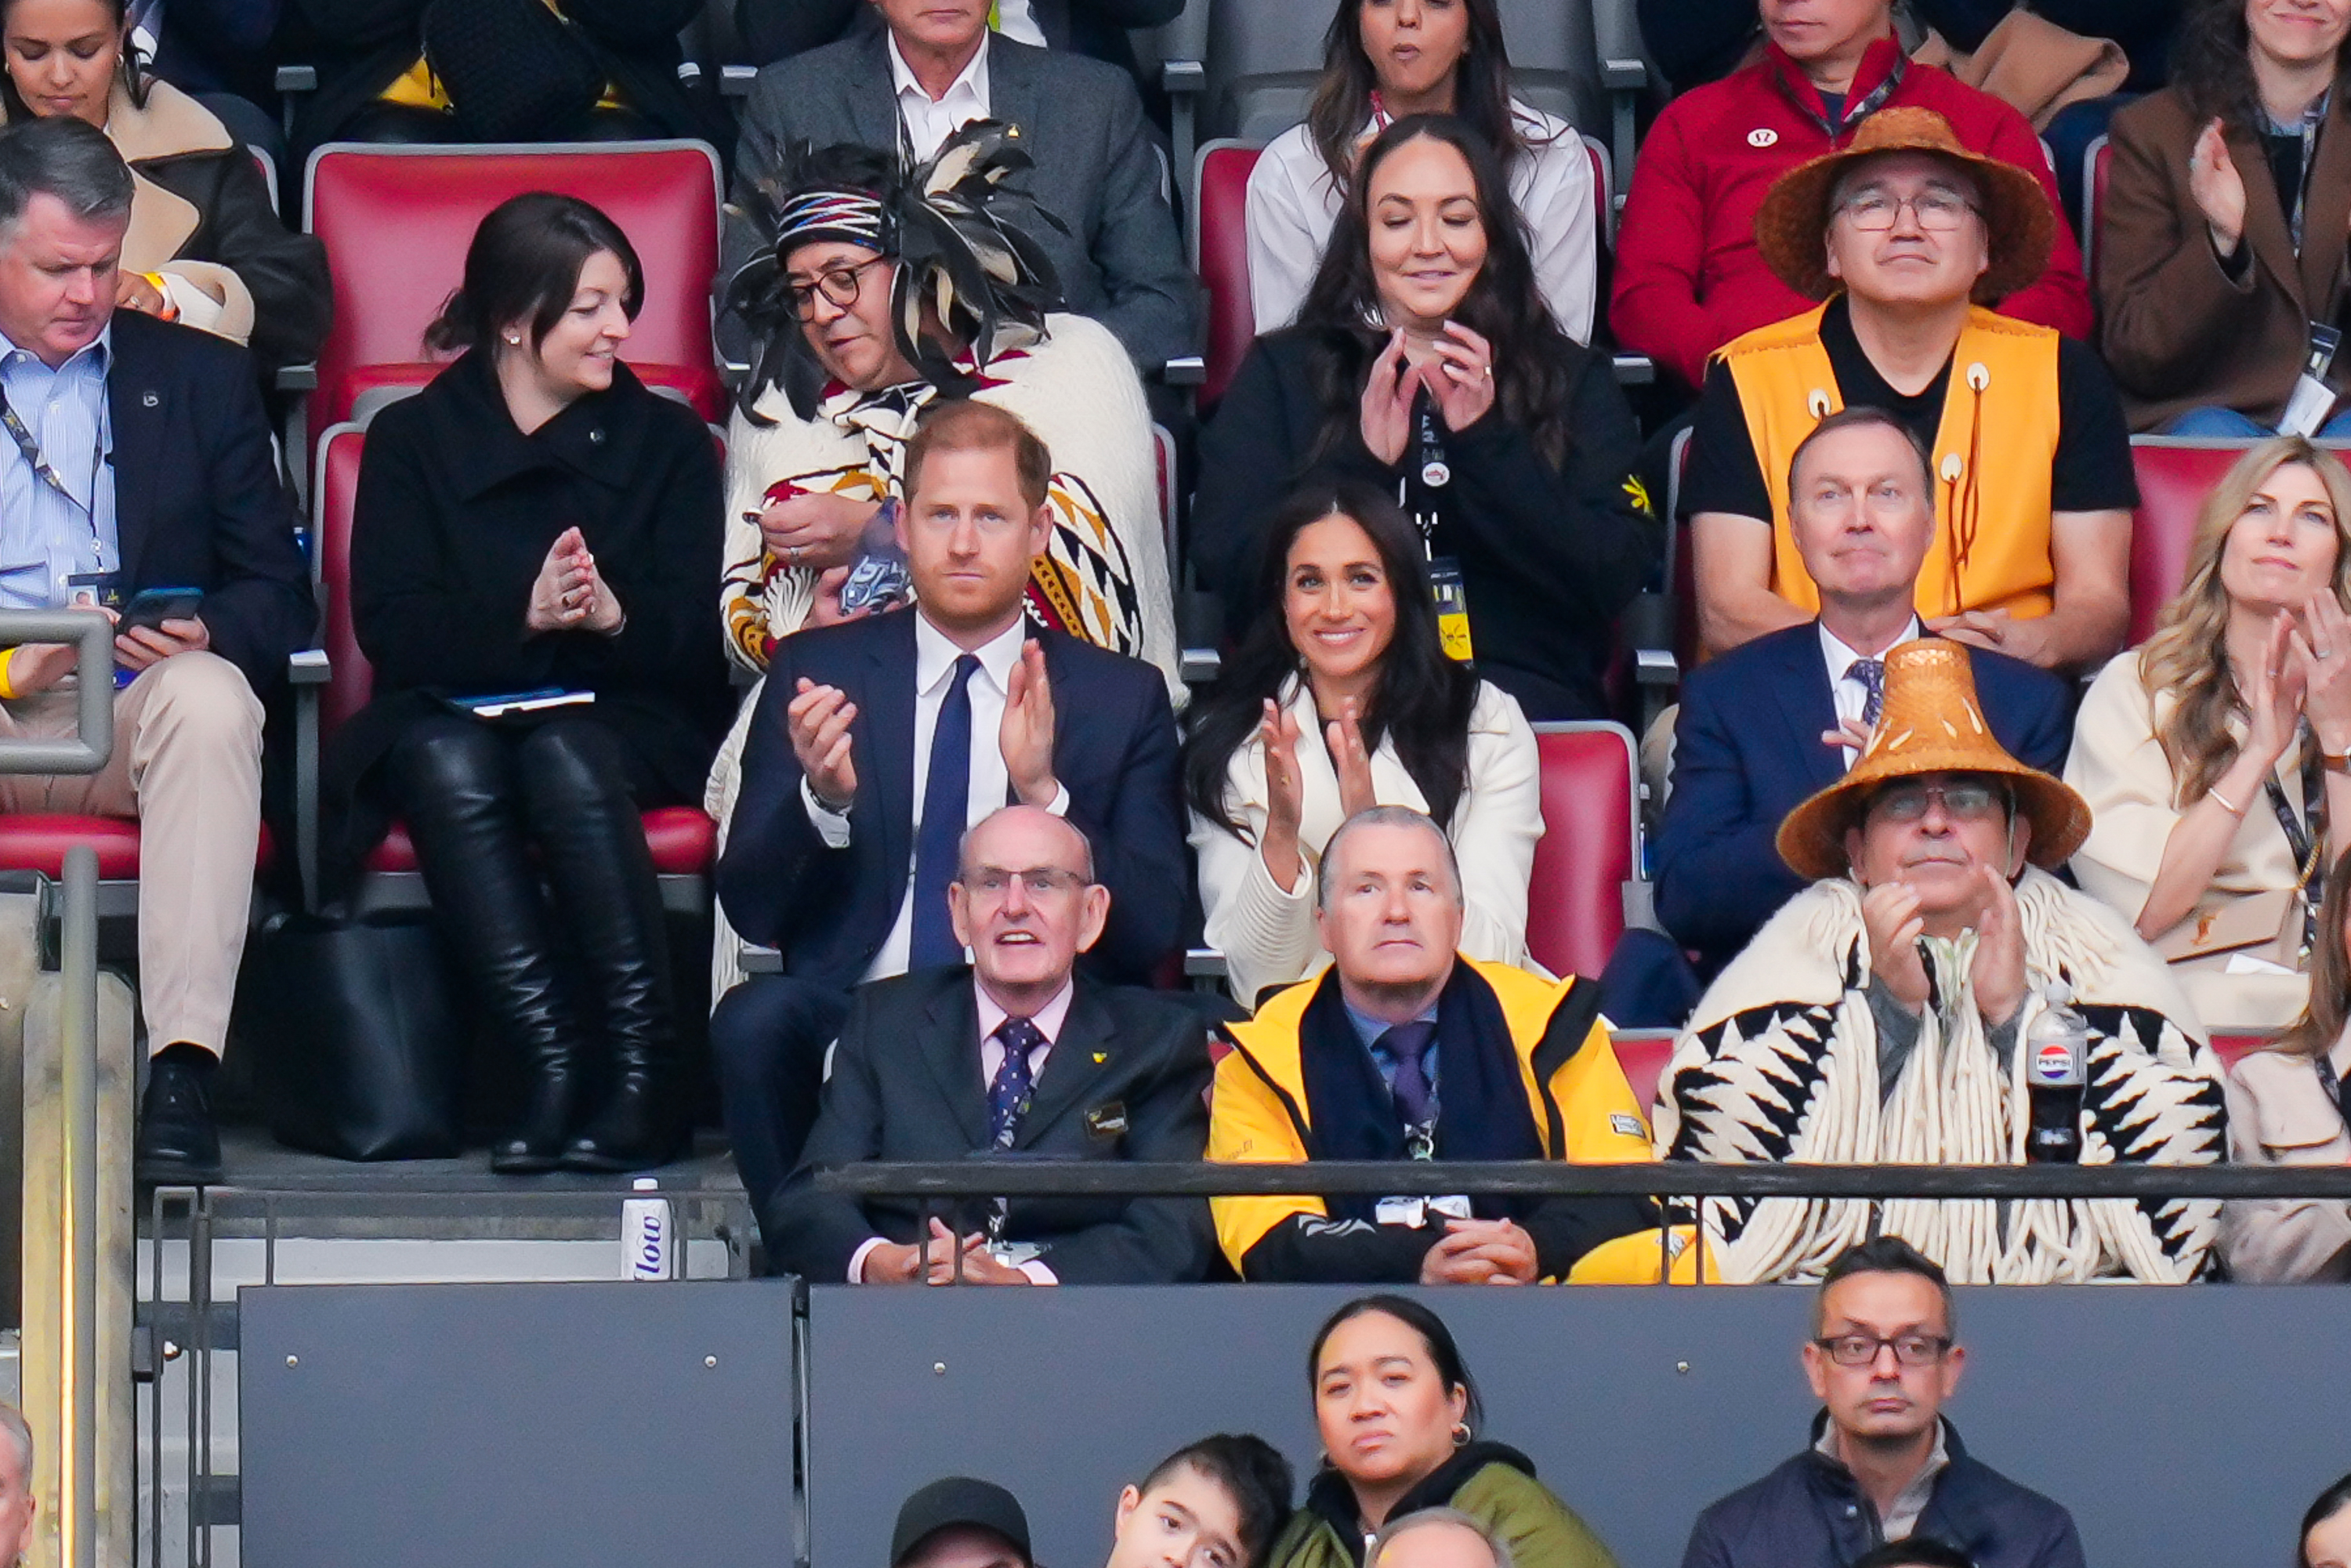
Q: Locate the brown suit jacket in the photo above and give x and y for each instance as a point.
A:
(2177, 333)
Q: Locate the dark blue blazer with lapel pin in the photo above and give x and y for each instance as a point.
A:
(1114, 749)
(1748, 750)
(197, 501)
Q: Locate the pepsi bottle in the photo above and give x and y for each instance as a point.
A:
(2056, 1049)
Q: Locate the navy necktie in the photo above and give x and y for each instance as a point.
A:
(946, 801)
(1407, 1045)
(1871, 674)
(1012, 1089)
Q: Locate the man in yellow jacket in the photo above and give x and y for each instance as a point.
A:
(1405, 1049)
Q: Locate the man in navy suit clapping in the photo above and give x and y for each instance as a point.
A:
(878, 741)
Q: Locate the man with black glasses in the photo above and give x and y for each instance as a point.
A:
(1884, 1465)
(1888, 1013)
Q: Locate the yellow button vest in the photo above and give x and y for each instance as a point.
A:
(1993, 453)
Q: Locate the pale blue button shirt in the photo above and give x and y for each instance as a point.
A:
(46, 537)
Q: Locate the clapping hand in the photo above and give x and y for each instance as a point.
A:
(2273, 691)
(1852, 731)
(1388, 402)
(1890, 914)
(2218, 188)
(1997, 973)
(1462, 380)
(569, 592)
(1026, 733)
(2322, 648)
(819, 718)
(1351, 759)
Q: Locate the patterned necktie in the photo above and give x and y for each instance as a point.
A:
(1406, 1044)
(946, 802)
(1871, 674)
(1012, 1089)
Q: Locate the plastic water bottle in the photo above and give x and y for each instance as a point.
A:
(2056, 1050)
(648, 1234)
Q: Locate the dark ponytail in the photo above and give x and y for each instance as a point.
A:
(524, 265)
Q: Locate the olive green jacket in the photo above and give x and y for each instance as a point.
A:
(1490, 1482)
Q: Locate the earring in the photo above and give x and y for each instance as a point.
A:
(515, 339)
(1461, 1434)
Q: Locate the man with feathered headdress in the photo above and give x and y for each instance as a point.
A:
(1880, 1016)
(880, 291)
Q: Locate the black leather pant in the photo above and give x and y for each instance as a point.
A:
(479, 798)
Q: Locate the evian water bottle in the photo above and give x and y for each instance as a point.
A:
(2056, 1052)
(648, 1234)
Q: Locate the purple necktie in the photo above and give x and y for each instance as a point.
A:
(1406, 1044)
(1013, 1088)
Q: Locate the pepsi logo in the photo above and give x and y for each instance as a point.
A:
(2052, 1063)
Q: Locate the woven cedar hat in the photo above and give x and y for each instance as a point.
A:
(1931, 723)
(2018, 221)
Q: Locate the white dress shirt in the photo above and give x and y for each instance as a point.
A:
(1292, 204)
(1049, 1020)
(930, 121)
(1852, 697)
(991, 783)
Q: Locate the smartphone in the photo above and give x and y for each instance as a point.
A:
(150, 607)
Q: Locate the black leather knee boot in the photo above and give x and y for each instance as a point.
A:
(457, 791)
(591, 840)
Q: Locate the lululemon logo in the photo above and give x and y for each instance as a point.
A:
(1766, 137)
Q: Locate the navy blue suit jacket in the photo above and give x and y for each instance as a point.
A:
(197, 501)
(1114, 749)
(1748, 750)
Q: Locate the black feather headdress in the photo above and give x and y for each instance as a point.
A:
(967, 266)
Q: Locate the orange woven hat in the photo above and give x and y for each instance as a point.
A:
(1931, 723)
(2019, 222)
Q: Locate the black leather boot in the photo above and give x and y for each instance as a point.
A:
(592, 842)
(458, 791)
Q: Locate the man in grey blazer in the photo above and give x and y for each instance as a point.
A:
(936, 66)
(1016, 1055)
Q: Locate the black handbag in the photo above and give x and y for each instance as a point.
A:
(514, 71)
(367, 1044)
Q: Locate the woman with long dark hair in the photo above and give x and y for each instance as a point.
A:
(2290, 1104)
(536, 518)
(1426, 364)
(1399, 1416)
(205, 246)
(2224, 225)
(1344, 701)
(1386, 59)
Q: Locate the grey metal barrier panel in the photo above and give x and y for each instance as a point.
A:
(2184, 1428)
(584, 1425)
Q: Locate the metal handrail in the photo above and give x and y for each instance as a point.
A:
(92, 636)
(1033, 1178)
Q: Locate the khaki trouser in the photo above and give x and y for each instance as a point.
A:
(187, 765)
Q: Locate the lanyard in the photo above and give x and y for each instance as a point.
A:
(1855, 112)
(48, 476)
(2334, 1087)
(2305, 834)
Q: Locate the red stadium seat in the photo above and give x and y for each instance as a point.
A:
(1643, 1054)
(1219, 231)
(683, 840)
(396, 221)
(2095, 164)
(2175, 474)
(1589, 850)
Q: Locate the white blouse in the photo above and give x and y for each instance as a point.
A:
(1292, 203)
(1268, 936)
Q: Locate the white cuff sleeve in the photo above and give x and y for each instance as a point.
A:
(1060, 804)
(1038, 1274)
(831, 826)
(857, 1259)
(196, 308)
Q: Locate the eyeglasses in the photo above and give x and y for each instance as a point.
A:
(995, 882)
(838, 284)
(1938, 211)
(1861, 1349)
(1968, 800)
